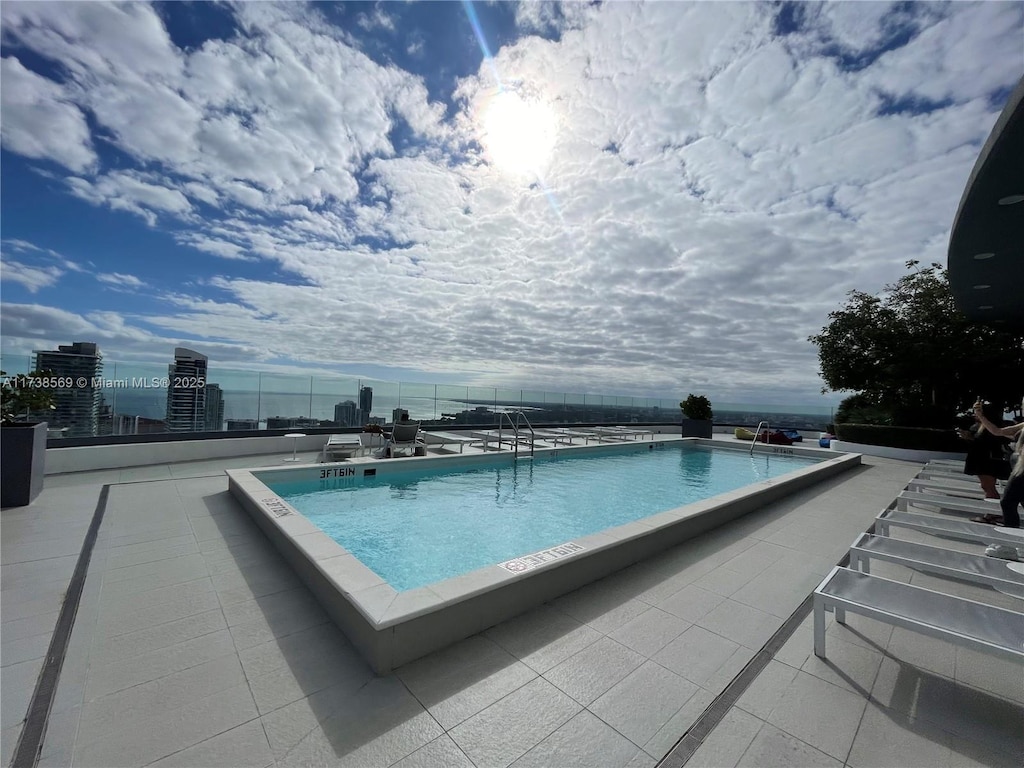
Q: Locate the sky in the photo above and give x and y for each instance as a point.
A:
(616, 198)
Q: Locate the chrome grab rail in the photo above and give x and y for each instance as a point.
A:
(757, 432)
(515, 431)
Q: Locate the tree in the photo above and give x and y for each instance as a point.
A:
(23, 395)
(911, 353)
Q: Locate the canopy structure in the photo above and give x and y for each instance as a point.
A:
(986, 246)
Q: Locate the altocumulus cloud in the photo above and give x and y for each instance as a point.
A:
(722, 174)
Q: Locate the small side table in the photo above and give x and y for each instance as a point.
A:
(295, 444)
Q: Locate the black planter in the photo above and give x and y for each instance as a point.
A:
(22, 463)
(697, 428)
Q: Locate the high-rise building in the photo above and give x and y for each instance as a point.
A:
(398, 414)
(346, 414)
(214, 408)
(77, 406)
(365, 403)
(186, 394)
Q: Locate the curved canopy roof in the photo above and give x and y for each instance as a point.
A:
(986, 246)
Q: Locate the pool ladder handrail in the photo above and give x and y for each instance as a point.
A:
(757, 432)
(515, 431)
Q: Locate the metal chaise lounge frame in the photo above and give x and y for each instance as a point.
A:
(343, 445)
(955, 619)
(950, 527)
(450, 438)
(979, 569)
(955, 505)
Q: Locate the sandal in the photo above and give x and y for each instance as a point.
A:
(988, 519)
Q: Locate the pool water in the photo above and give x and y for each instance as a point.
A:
(416, 528)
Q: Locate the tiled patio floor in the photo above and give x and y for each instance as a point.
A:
(195, 645)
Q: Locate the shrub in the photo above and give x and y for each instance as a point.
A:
(913, 438)
(696, 407)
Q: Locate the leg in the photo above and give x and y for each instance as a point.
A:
(1013, 497)
(819, 627)
(988, 485)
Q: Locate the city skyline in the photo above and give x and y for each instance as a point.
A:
(626, 198)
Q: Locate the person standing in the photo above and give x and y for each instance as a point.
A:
(1013, 494)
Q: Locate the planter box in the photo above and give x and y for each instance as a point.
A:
(23, 463)
(697, 428)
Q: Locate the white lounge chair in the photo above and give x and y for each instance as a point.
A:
(950, 527)
(955, 619)
(989, 571)
(341, 447)
(450, 438)
(946, 504)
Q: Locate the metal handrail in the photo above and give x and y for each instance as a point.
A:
(757, 432)
(515, 431)
(533, 435)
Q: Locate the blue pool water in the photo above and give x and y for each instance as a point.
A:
(416, 528)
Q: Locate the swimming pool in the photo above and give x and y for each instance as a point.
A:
(391, 626)
(415, 528)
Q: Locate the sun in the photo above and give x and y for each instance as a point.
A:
(518, 134)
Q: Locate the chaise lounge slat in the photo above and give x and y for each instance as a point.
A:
(937, 525)
(992, 572)
(955, 619)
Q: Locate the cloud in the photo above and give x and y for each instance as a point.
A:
(40, 121)
(121, 280)
(33, 278)
(720, 179)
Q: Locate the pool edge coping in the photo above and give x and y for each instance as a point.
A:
(328, 568)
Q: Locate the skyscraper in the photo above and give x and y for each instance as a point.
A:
(214, 408)
(346, 414)
(186, 394)
(365, 403)
(77, 405)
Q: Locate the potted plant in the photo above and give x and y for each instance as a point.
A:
(23, 436)
(697, 416)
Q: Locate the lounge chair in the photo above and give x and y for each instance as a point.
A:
(949, 527)
(341, 447)
(963, 566)
(954, 619)
(404, 440)
(451, 438)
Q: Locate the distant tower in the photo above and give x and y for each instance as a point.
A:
(186, 395)
(398, 414)
(214, 408)
(346, 414)
(365, 403)
(77, 409)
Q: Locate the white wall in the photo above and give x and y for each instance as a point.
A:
(90, 457)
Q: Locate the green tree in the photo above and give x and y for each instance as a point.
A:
(912, 354)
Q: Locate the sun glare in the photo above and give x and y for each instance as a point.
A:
(518, 134)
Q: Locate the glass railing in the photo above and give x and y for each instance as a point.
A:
(137, 398)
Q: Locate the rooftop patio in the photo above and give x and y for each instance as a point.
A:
(195, 644)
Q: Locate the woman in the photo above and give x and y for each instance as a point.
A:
(1013, 494)
(985, 458)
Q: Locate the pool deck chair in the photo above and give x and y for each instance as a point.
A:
(947, 504)
(936, 525)
(553, 436)
(404, 440)
(956, 490)
(630, 432)
(500, 438)
(341, 447)
(955, 619)
(989, 571)
(450, 438)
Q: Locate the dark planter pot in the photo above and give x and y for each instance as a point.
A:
(697, 428)
(23, 463)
